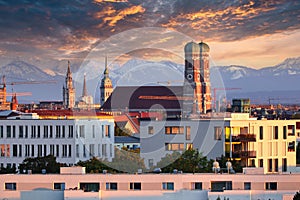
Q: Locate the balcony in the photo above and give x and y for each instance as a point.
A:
(244, 138)
(244, 154)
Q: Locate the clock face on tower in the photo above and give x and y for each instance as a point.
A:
(189, 76)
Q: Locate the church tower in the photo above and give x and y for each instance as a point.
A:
(106, 87)
(196, 79)
(69, 90)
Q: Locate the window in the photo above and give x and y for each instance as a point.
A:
(168, 186)
(107, 131)
(38, 131)
(135, 186)
(1, 131)
(57, 150)
(284, 132)
(218, 133)
(15, 150)
(71, 129)
(188, 133)
(197, 186)
(70, 150)
(92, 150)
(33, 131)
(57, 135)
(32, 150)
(261, 163)
(276, 165)
(50, 131)
(247, 185)
(150, 130)
(64, 150)
(45, 150)
(189, 146)
(8, 131)
(84, 151)
(261, 132)
(21, 131)
(174, 146)
(90, 187)
(20, 150)
(26, 131)
(271, 186)
(104, 152)
(291, 130)
(284, 164)
(40, 150)
(269, 165)
(99, 150)
(150, 163)
(93, 131)
(59, 186)
(174, 130)
(10, 186)
(27, 150)
(52, 149)
(77, 150)
(275, 133)
(14, 131)
(111, 186)
(63, 129)
(45, 131)
(291, 147)
(81, 131)
(220, 186)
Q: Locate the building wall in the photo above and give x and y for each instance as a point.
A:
(71, 140)
(270, 146)
(154, 144)
(152, 185)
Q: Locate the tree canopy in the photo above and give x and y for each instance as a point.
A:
(37, 164)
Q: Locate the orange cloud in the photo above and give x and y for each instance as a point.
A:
(112, 1)
(122, 14)
(208, 20)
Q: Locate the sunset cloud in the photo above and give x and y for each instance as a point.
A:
(73, 28)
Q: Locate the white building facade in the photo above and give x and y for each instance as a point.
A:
(69, 140)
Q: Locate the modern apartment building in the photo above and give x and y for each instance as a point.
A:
(69, 140)
(271, 144)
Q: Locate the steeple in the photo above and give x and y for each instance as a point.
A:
(69, 90)
(106, 72)
(106, 87)
(69, 70)
(84, 89)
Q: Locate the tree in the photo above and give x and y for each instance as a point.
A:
(8, 170)
(95, 165)
(37, 164)
(126, 161)
(122, 131)
(190, 161)
(297, 196)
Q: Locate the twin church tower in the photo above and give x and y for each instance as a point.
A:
(69, 102)
(196, 88)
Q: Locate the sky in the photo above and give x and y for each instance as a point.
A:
(241, 32)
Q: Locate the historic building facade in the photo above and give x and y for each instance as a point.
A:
(106, 87)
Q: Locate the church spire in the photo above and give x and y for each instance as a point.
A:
(84, 89)
(69, 70)
(106, 72)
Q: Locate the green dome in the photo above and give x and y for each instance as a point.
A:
(204, 47)
(191, 47)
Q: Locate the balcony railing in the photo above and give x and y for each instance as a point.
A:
(244, 154)
(243, 138)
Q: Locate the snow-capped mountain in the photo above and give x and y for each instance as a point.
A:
(282, 77)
